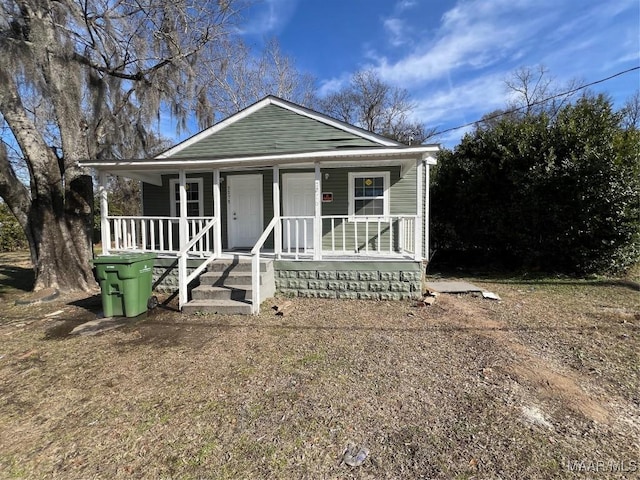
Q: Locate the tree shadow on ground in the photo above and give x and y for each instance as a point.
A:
(16, 278)
(92, 303)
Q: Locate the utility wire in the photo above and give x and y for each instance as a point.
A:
(514, 110)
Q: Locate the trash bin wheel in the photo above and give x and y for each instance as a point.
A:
(152, 302)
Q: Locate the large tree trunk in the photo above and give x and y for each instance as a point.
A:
(56, 212)
(79, 80)
(59, 233)
(63, 246)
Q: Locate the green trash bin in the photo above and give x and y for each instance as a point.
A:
(125, 283)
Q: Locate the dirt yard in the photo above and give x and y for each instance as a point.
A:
(543, 384)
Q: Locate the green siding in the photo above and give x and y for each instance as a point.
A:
(156, 200)
(402, 193)
(272, 129)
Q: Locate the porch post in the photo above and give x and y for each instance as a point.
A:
(217, 213)
(317, 224)
(417, 243)
(427, 182)
(105, 228)
(277, 232)
(182, 259)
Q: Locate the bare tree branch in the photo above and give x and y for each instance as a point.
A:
(84, 79)
(374, 105)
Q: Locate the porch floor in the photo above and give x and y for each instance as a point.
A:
(333, 256)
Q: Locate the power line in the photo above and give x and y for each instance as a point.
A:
(514, 110)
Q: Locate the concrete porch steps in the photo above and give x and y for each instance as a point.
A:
(225, 307)
(226, 287)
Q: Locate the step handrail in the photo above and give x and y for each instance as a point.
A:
(183, 279)
(255, 266)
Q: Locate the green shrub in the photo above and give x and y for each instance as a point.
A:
(556, 194)
(12, 236)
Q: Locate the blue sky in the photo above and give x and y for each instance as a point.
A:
(453, 56)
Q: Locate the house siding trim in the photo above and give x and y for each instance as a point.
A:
(364, 155)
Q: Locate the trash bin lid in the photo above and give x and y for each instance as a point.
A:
(124, 258)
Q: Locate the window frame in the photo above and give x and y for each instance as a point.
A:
(174, 209)
(386, 178)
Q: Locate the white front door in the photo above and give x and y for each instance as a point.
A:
(298, 200)
(244, 210)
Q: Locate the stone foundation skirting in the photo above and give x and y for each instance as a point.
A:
(374, 280)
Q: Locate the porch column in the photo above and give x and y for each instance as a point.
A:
(217, 213)
(105, 228)
(182, 258)
(277, 232)
(417, 243)
(427, 182)
(317, 224)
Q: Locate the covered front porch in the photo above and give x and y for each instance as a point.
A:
(311, 237)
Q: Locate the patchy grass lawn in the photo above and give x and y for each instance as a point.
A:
(540, 385)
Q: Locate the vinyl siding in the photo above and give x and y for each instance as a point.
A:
(272, 129)
(156, 200)
(402, 193)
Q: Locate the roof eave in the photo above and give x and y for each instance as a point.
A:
(324, 156)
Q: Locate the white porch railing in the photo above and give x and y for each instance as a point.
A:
(345, 234)
(255, 266)
(297, 236)
(341, 234)
(162, 235)
(193, 240)
(159, 234)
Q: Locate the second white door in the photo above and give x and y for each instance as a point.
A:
(244, 210)
(298, 200)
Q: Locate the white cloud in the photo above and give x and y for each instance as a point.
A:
(452, 137)
(466, 101)
(406, 4)
(473, 34)
(479, 43)
(460, 104)
(333, 85)
(595, 43)
(268, 17)
(398, 31)
(626, 58)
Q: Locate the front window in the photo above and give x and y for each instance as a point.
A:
(194, 197)
(368, 194)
